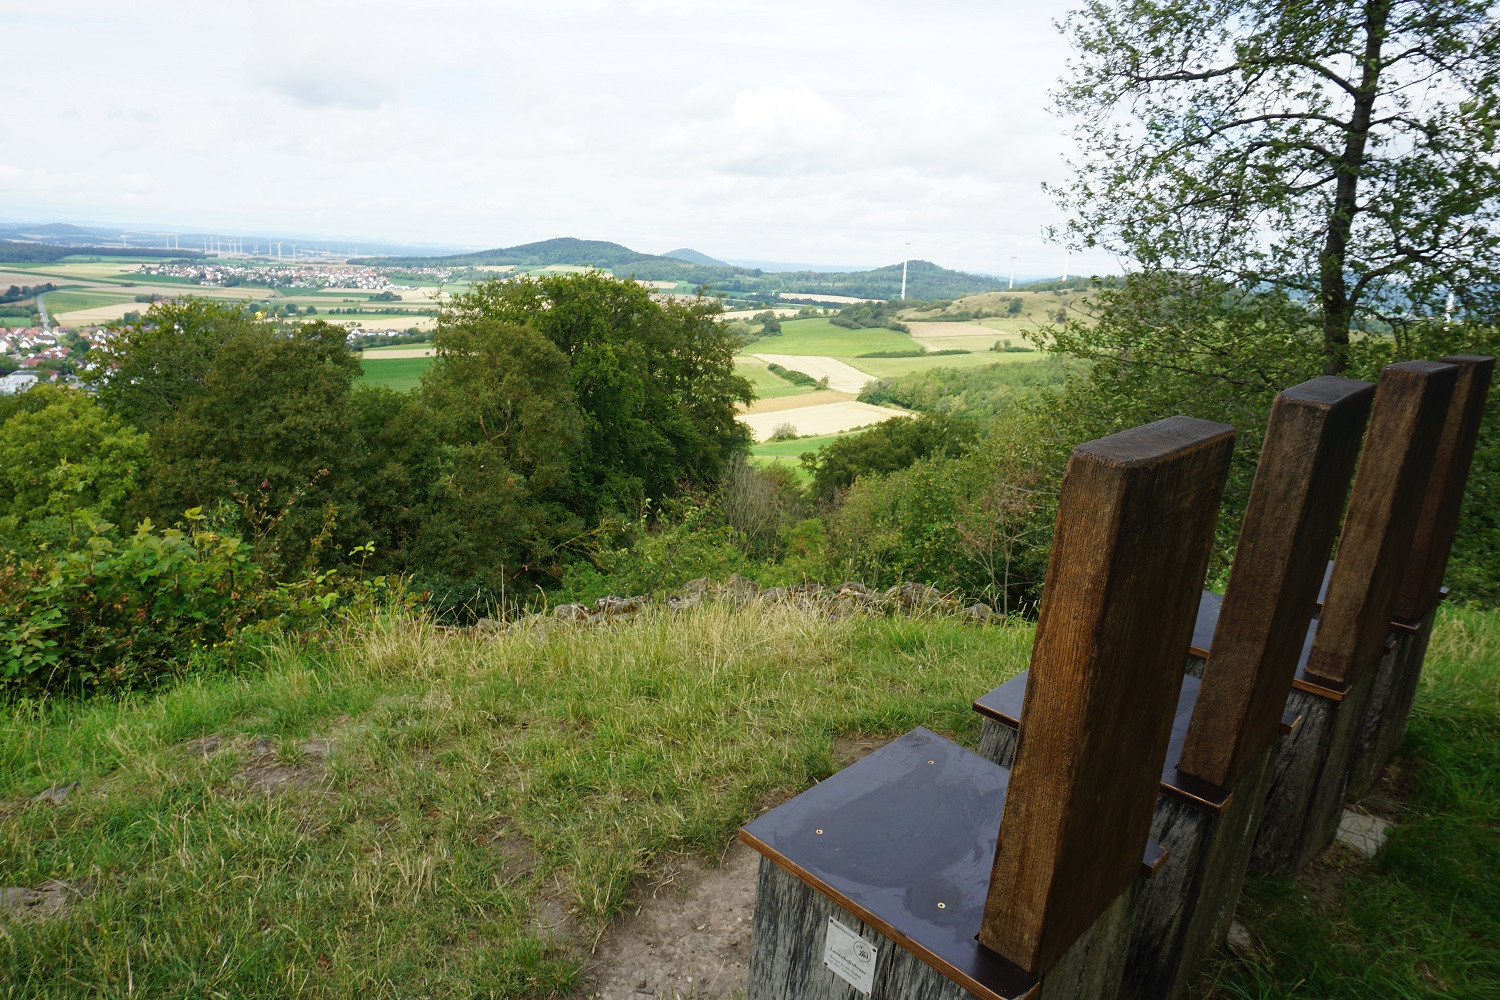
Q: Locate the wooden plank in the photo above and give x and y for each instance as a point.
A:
(1134, 527)
(1427, 560)
(1290, 522)
(1410, 406)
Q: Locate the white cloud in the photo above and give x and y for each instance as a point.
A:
(837, 131)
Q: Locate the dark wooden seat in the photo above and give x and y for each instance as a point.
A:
(905, 840)
(1003, 704)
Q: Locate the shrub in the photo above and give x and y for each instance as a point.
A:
(114, 612)
(784, 432)
(791, 375)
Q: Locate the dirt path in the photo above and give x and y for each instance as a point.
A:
(841, 376)
(690, 939)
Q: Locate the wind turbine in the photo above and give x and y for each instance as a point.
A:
(1066, 252)
(903, 271)
(1012, 271)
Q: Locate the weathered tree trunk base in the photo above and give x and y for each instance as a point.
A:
(1309, 778)
(1393, 691)
(791, 921)
(1180, 913)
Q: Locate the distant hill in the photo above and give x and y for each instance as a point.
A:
(925, 280)
(694, 257)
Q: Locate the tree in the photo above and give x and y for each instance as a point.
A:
(272, 433)
(654, 382)
(1343, 153)
(64, 455)
(152, 366)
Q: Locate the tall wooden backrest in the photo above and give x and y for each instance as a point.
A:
(1312, 441)
(1134, 528)
(1410, 406)
(1427, 561)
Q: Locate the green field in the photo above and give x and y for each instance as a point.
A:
(766, 383)
(892, 367)
(789, 453)
(68, 300)
(818, 336)
(401, 374)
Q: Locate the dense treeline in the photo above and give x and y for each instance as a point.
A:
(15, 252)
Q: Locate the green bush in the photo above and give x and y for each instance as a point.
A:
(114, 612)
(791, 375)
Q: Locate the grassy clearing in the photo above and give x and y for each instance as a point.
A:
(1423, 918)
(401, 374)
(465, 782)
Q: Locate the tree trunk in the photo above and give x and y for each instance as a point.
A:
(1338, 306)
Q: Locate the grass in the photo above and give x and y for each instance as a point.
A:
(789, 453)
(66, 301)
(819, 336)
(1423, 918)
(401, 374)
(893, 367)
(470, 779)
(766, 383)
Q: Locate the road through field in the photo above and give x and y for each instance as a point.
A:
(841, 375)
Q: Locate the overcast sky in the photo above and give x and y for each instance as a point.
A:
(825, 132)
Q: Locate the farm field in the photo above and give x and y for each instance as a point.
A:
(840, 375)
(892, 367)
(819, 336)
(827, 418)
(399, 373)
(765, 383)
(401, 351)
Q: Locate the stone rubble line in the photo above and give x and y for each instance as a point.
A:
(837, 602)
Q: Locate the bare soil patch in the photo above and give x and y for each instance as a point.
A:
(268, 773)
(689, 938)
(48, 901)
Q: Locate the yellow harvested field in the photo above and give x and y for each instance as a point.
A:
(497, 268)
(778, 403)
(847, 300)
(8, 278)
(98, 314)
(830, 418)
(396, 353)
(383, 322)
(948, 336)
(841, 376)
